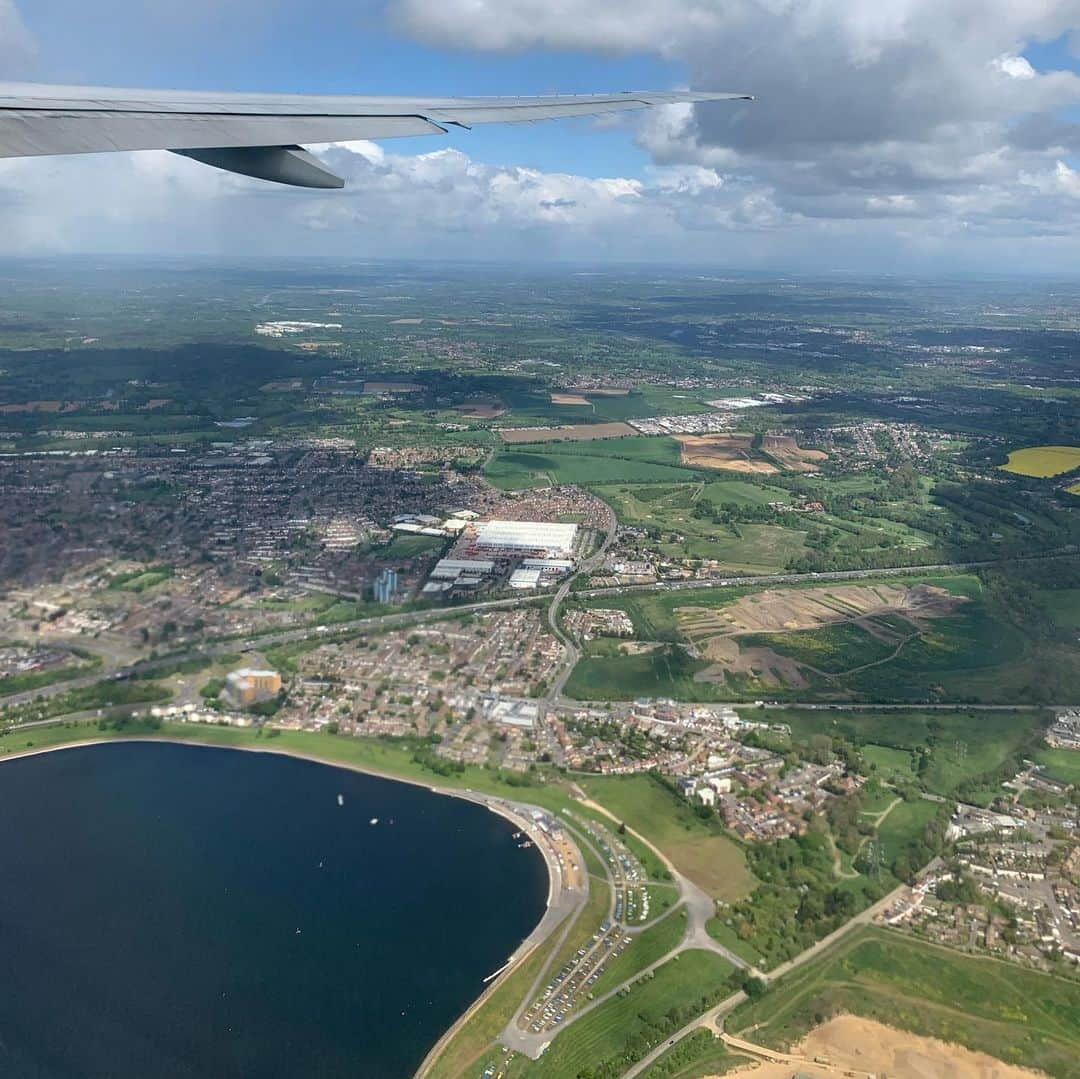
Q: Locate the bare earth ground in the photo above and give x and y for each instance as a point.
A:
(768, 666)
(790, 455)
(729, 452)
(714, 632)
(568, 399)
(863, 1047)
(783, 610)
(578, 432)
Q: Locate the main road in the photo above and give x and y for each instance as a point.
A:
(713, 1018)
(378, 623)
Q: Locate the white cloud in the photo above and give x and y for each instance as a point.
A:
(16, 42)
(900, 109)
(880, 129)
(1016, 67)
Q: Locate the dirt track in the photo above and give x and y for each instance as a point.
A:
(861, 1047)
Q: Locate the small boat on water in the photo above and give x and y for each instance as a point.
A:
(341, 799)
(374, 820)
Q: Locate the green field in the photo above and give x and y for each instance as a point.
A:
(141, 580)
(1043, 461)
(1019, 1015)
(697, 848)
(977, 653)
(697, 1055)
(904, 823)
(405, 546)
(889, 764)
(964, 745)
(634, 459)
(667, 511)
(646, 948)
(626, 1027)
(1060, 764)
(726, 935)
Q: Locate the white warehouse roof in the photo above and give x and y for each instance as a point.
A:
(528, 536)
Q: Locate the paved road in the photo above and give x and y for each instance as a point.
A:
(572, 652)
(435, 614)
(709, 1018)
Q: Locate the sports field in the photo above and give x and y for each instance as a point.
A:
(1043, 461)
(1018, 1015)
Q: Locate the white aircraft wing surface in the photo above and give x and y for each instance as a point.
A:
(260, 134)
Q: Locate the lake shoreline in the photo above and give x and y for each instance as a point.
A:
(516, 813)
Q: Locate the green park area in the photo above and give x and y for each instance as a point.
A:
(622, 1030)
(1043, 461)
(1060, 764)
(1018, 1015)
(684, 520)
(699, 849)
(955, 753)
(140, 580)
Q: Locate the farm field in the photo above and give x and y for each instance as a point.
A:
(739, 453)
(637, 459)
(1018, 1015)
(1043, 461)
(625, 1028)
(697, 849)
(732, 452)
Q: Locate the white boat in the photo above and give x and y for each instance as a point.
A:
(374, 820)
(341, 799)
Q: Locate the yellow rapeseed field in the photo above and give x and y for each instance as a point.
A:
(1043, 461)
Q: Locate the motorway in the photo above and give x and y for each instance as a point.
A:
(379, 623)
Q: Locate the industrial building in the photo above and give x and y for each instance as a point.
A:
(525, 578)
(541, 539)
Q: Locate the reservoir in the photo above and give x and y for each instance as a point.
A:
(174, 910)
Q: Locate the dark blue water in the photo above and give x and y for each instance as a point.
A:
(150, 897)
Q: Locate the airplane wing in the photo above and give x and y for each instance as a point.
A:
(260, 134)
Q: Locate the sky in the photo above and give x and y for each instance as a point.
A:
(887, 135)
